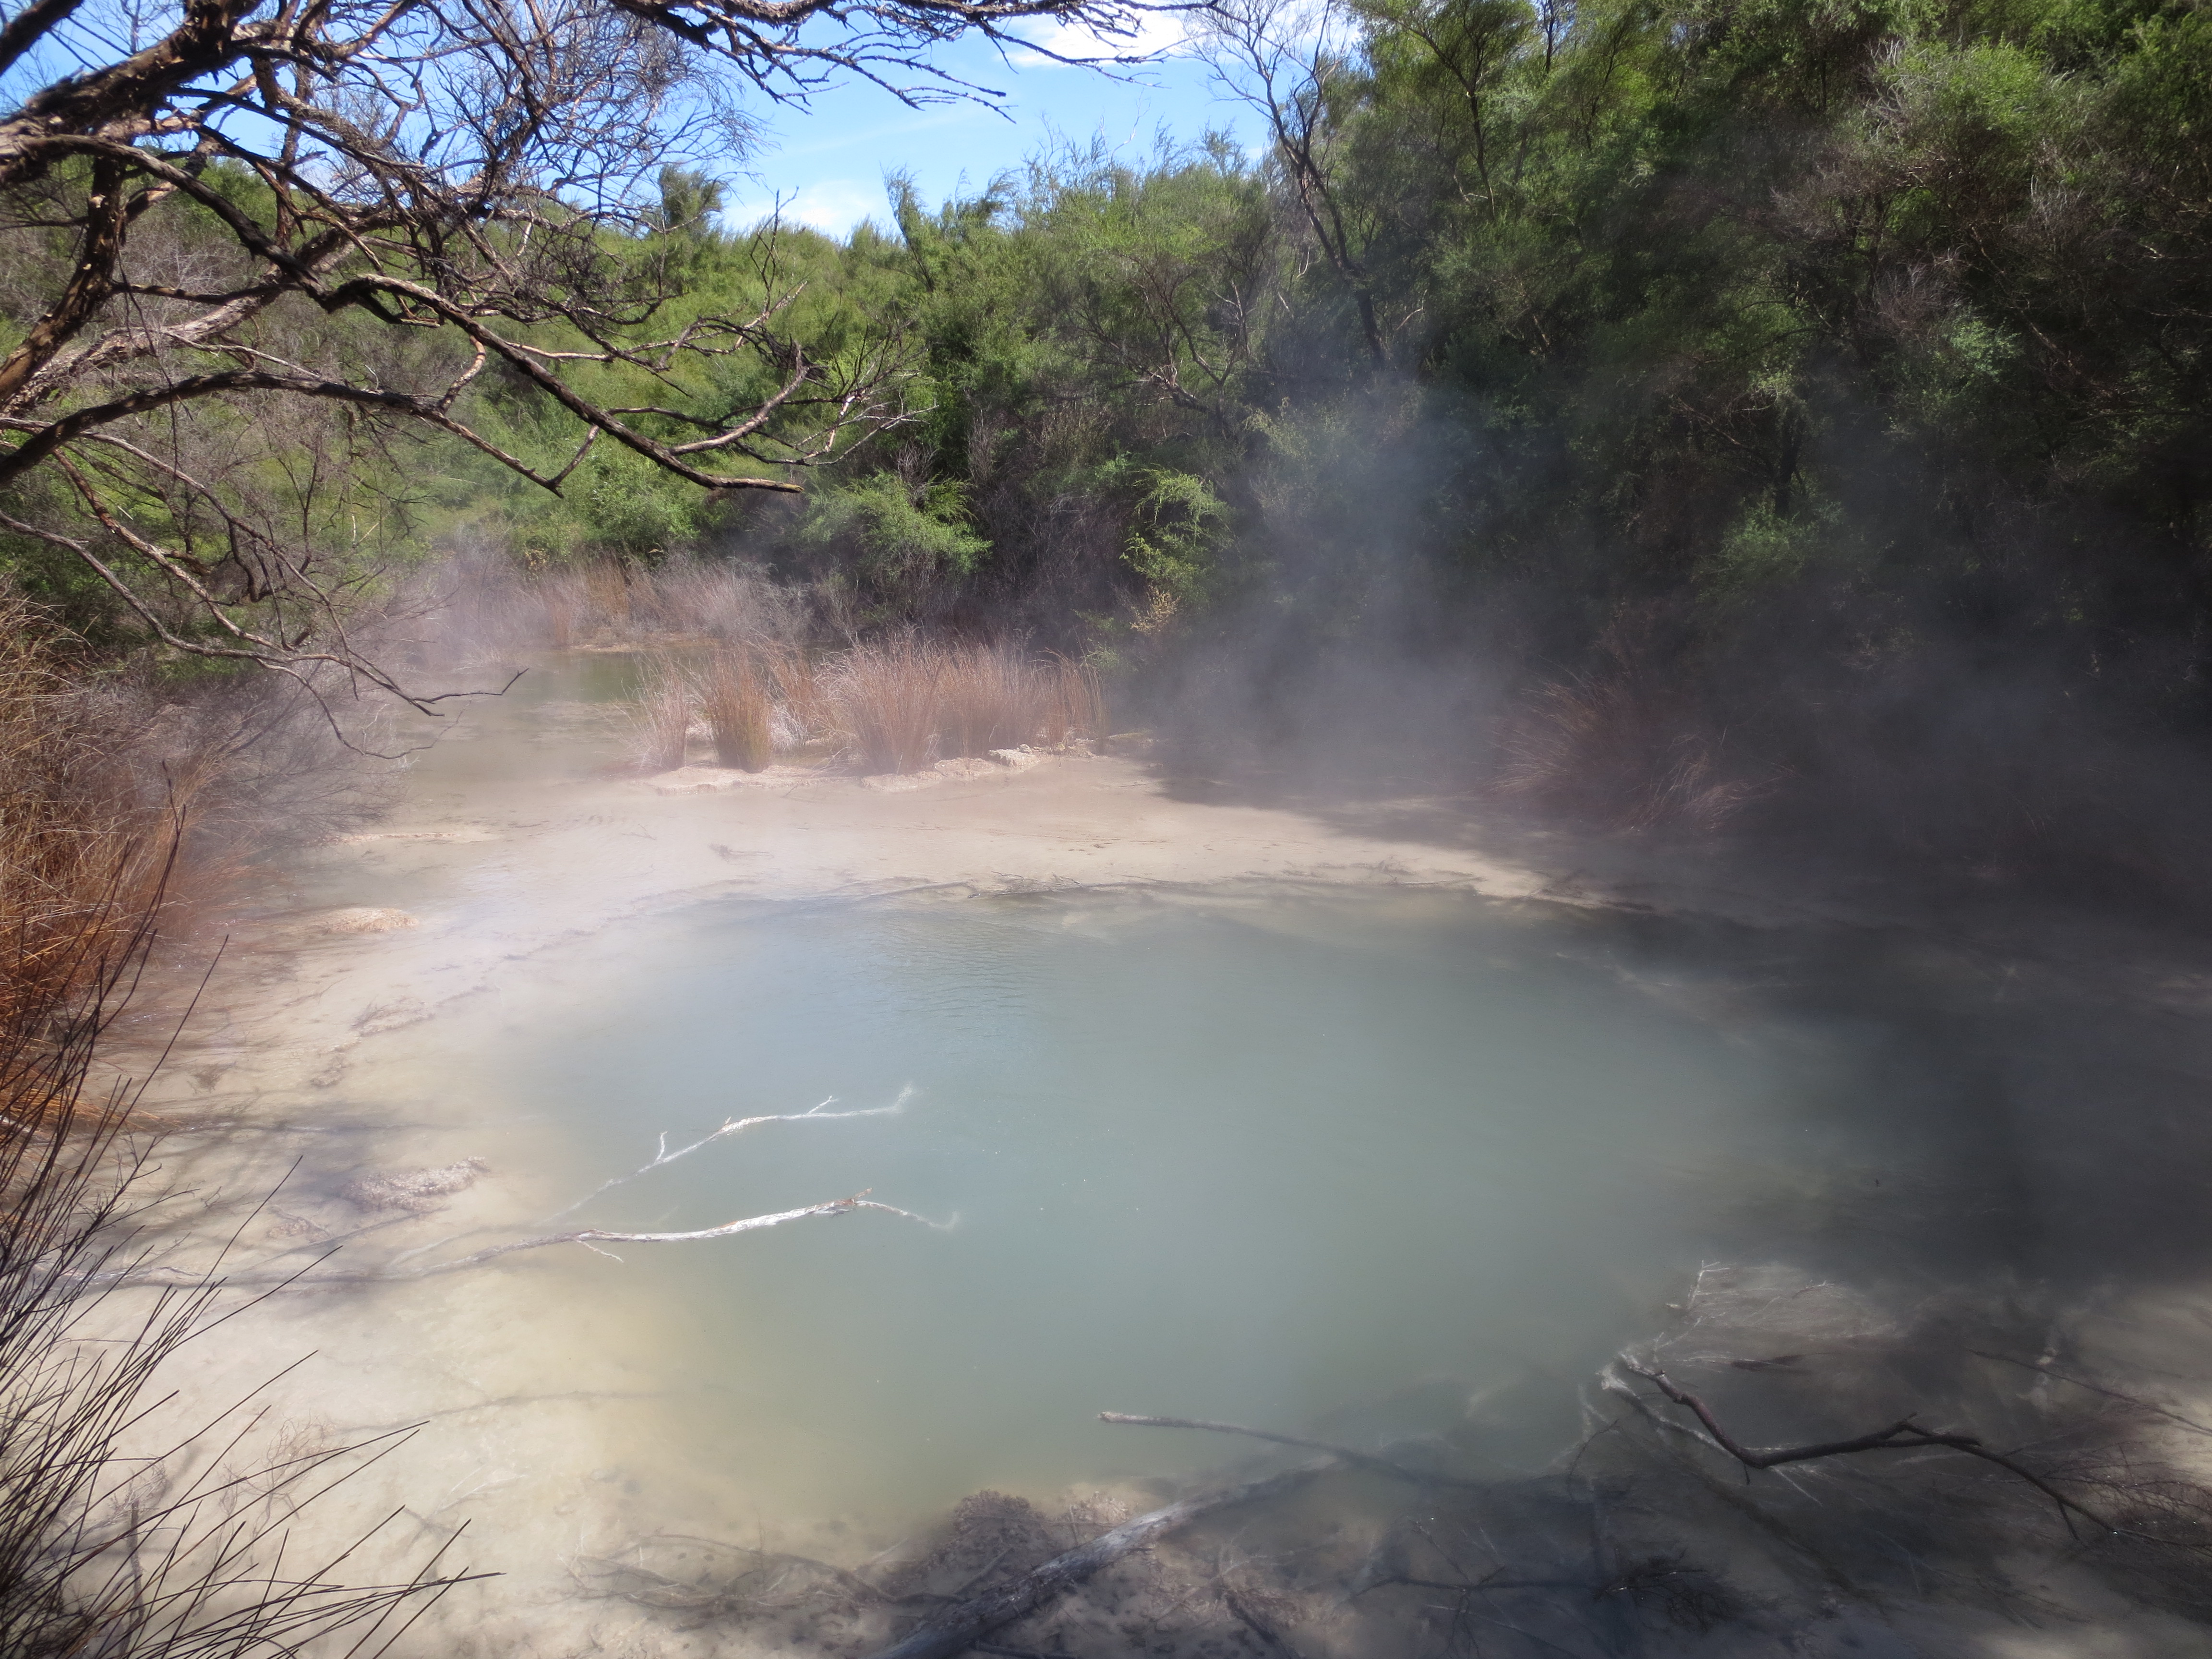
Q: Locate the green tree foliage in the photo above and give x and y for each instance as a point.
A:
(1780, 344)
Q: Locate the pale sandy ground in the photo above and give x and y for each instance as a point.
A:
(471, 879)
(460, 885)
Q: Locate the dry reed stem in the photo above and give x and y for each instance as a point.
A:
(104, 1550)
(809, 711)
(606, 589)
(1613, 748)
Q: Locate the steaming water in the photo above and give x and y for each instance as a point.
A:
(1347, 1163)
(1366, 1164)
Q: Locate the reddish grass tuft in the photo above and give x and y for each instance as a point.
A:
(885, 696)
(739, 710)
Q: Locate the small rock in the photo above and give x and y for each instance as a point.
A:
(365, 919)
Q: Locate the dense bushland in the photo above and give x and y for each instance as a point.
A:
(1677, 413)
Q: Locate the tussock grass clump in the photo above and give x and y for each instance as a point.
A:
(661, 716)
(121, 800)
(805, 711)
(885, 696)
(104, 1549)
(73, 853)
(905, 701)
(740, 711)
(606, 592)
(988, 698)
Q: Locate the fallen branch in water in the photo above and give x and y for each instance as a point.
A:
(736, 1125)
(589, 1237)
(960, 1628)
(1344, 1454)
(1903, 1435)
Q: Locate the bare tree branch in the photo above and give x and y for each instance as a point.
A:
(459, 186)
(1903, 1435)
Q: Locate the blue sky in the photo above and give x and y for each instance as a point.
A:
(828, 160)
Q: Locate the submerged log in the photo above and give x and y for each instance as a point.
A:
(961, 1626)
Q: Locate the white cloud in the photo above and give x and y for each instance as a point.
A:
(1156, 33)
(833, 206)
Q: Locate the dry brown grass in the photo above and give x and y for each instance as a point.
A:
(904, 701)
(885, 696)
(807, 712)
(988, 697)
(739, 710)
(1075, 705)
(661, 716)
(606, 592)
(123, 802)
(82, 858)
(488, 603)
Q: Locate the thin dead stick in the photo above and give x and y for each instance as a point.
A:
(589, 1237)
(736, 1125)
(1358, 1458)
(1903, 1435)
(959, 1628)
(592, 1238)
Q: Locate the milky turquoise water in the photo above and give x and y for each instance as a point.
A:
(1372, 1165)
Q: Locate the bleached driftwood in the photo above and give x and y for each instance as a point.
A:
(962, 1626)
(736, 1125)
(397, 1271)
(591, 1237)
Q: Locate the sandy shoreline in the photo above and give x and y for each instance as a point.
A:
(457, 887)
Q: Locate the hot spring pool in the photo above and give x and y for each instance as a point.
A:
(1362, 1164)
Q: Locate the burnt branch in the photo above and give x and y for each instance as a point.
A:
(1903, 1435)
